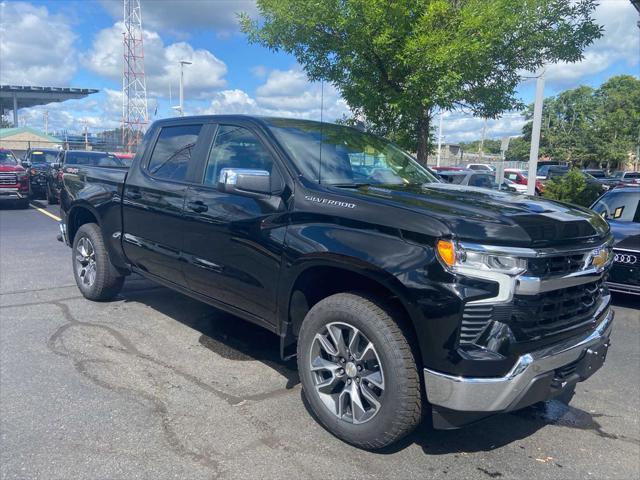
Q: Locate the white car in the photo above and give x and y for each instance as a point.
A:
(519, 188)
(482, 167)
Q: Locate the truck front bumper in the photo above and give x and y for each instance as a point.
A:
(536, 376)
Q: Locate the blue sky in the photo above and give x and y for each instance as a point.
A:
(79, 43)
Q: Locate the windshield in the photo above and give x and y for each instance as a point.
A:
(7, 158)
(41, 156)
(619, 205)
(349, 157)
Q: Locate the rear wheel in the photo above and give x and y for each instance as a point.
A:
(95, 275)
(51, 198)
(358, 370)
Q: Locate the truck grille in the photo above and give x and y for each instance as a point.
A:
(537, 316)
(474, 320)
(557, 265)
(534, 317)
(8, 179)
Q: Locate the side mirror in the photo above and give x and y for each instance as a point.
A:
(245, 181)
(26, 163)
(56, 166)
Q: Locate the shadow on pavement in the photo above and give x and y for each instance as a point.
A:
(229, 336)
(236, 339)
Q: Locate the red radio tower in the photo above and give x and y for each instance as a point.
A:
(134, 86)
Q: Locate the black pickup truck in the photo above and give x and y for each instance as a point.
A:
(401, 296)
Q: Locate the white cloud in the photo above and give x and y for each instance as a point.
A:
(162, 67)
(619, 43)
(179, 16)
(458, 127)
(285, 93)
(36, 48)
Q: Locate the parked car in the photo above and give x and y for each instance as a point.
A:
(126, 158)
(521, 178)
(483, 167)
(399, 295)
(597, 173)
(556, 172)
(544, 172)
(14, 180)
(473, 178)
(42, 166)
(621, 208)
(449, 169)
(78, 157)
(627, 177)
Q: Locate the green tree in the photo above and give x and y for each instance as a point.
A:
(572, 188)
(490, 146)
(518, 150)
(617, 120)
(399, 62)
(586, 126)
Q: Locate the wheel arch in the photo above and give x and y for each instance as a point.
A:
(314, 280)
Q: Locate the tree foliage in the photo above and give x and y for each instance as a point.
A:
(586, 126)
(398, 62)
(572, 188)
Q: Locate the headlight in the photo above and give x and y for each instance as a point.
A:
(458, 259)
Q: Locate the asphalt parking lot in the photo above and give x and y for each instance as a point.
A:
(156, 385)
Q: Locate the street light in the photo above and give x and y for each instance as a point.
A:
(182, 64)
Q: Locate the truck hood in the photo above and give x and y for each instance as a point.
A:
(11, 168)
(494, 217)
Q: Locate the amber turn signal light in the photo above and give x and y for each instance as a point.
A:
(447, 252)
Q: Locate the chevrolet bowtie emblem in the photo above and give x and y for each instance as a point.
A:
(599, 258)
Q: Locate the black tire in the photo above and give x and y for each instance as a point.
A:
(108, 281)
(401, 401)
(51, 199)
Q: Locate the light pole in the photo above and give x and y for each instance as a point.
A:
(182, 64)
(439, 140)
(535, 134)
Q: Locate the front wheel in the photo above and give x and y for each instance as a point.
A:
(358, 370)
(95, 276)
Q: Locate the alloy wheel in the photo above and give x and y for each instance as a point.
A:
(347, 372)
(85, 260)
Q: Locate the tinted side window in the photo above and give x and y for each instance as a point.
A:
(172, 153)
(236, 147)
(484, 181)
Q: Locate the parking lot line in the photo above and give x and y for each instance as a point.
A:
(48, 214)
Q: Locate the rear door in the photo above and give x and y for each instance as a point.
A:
(153, 200)
(233, 243)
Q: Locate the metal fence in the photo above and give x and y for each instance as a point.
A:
(20, 147)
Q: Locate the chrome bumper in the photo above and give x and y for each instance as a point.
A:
(503, 393)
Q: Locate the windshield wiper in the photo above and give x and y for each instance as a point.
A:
(349, 185)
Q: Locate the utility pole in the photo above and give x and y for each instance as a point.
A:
(439, 140)
(535, 134)
(182, 64)
(45, 114)
(86, 138)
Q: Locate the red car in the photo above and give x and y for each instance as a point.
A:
(14, 180)
(520, 177)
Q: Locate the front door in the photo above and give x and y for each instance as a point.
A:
(153, 201)
(233, 243)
